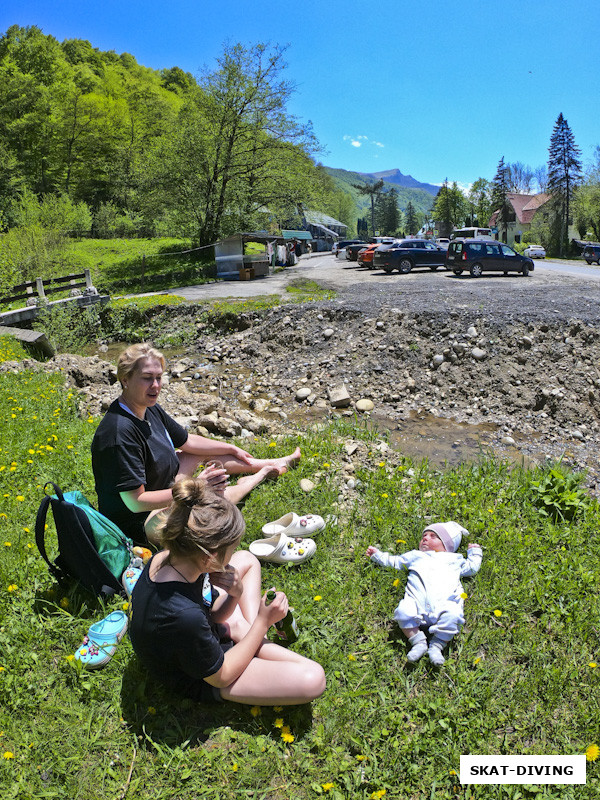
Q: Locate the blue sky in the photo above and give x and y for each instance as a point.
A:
(438, 90)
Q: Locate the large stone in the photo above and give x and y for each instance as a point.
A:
(479, 354)
(365, 405)
(306, 485)
(303, 393)
(339, 397)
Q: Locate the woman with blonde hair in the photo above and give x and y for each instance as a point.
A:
(198, 622)
(139, 451)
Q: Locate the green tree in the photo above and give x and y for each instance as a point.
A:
(449, 208)
(480, 203)
(372, 190)
(411, 221)
(586, 200)
(564, 173)
(499, 199)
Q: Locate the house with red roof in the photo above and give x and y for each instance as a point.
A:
(524, 207)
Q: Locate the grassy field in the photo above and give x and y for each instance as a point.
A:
(139, 265)
(521, 678)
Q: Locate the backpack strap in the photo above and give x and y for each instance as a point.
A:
(40, 533)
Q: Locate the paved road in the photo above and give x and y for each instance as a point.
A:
(340, 275)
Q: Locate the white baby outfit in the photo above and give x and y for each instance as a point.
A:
(432, 597)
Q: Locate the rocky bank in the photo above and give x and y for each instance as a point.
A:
(538, 382)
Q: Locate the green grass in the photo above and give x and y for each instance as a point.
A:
(518, 681)
(139, 265)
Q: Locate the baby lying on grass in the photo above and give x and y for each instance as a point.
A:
(432, 600)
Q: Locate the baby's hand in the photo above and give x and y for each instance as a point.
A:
(371, 550)
(473, 544)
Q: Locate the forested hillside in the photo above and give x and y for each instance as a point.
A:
(164, 152)
(421, 199)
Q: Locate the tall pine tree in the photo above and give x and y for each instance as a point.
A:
(500, 202)
(564, 173)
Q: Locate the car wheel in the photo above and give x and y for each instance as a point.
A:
(405, 266)
(589, 263)
(476, 270)
(525, 271)
(433, 267)
(457, 271)
(388, 270)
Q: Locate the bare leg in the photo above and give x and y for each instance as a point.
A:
(236, 467)
(280, 683)
(244, 485)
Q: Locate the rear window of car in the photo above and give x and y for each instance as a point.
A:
(456, 247)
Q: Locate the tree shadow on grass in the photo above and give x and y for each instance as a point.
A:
(160, 716)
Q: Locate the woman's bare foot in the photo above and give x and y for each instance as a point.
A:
(288, 462)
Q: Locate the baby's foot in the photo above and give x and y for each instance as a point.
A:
(419, 647)
(435, 654)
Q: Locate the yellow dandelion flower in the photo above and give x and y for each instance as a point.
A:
(20, 498)
(326, 465)
(592, 664)
(70, 657)
(12, 587)
(464, 595)
(8, 755)
(7, 544)
(360, 757)
(497, 612)
(490, 510)
(285, 729)
(453, 772)
(422, 480)
(272, 444)
(287, 737)
(396, 582)
(382, 463)
(317, 597)
(234, 767)
(277, 709)
(592, 752)
(327, 787)
(378, 795)
(255, 711)
(278, 722)
(351, 657)
(400, 541)
(64, 603)
(385, 495)
(452, 494)
(476, 660)
(151, 710)
(125, 606)
(2, 669)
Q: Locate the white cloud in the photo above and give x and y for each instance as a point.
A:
(358, 141)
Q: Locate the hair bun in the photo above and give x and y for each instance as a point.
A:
(189, 492)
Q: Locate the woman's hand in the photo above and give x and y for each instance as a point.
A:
(273, 611)
(229, 580)
(241, 455)
(216, 477)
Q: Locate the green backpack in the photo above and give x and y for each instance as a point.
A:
(91, 548)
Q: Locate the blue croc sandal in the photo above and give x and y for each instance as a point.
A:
(129, 579)
(100, 643)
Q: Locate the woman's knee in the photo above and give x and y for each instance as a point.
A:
(312, 681)
(243, 560)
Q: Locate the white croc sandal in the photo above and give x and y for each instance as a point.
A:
(280, 549)
(293, 525)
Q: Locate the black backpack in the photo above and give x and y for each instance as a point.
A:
(91, 549)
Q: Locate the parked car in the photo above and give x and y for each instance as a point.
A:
(365, 256)
(443, 242)
(591, 253)
(409, 253)
(337, 246)
(352, 250)
(534, 251)
(479, 256)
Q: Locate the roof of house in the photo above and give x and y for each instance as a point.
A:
(317, 218)
(524, 205)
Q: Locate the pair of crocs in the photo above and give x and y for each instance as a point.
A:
(287, 539)
(100, 642)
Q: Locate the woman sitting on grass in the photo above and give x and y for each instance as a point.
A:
(205, 642)
(139, 451)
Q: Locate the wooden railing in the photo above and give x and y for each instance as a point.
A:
(32, 291)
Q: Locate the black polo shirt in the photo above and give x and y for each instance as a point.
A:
(127, 453)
